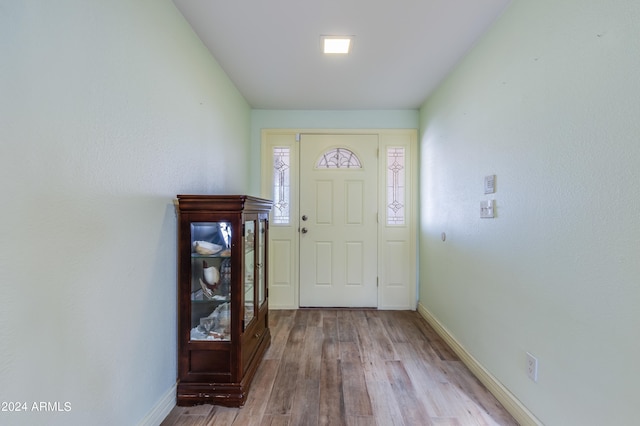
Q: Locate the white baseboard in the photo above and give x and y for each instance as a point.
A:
(522, 415)
(162, 409)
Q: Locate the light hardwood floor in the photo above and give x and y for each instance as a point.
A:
(355, 367)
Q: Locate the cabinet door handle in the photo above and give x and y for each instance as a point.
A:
(257, 335)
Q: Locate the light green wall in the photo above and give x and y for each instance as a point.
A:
(322, 119)
(108, 109)
(548, 102)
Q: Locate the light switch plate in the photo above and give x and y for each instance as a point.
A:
(486, 209)
(490, 184)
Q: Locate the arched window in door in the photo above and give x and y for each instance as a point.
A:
(339, 158)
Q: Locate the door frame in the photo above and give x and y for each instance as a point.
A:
(397, 245)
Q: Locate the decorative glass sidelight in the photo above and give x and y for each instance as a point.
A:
(396, 182)
(281, 185)
(339, 158)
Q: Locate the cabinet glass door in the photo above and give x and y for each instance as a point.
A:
(262, 291)
(210, 281)
(249, 271)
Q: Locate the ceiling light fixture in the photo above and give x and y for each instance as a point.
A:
(336, 44)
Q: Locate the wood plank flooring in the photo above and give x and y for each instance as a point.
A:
(355, 367)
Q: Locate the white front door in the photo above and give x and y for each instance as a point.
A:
(338, 220)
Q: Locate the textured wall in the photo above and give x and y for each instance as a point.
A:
(547, 101)
(108, 109)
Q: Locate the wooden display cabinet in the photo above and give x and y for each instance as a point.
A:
(223, 313)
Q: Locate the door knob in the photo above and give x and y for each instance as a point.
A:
(304, 230)
(304, 217)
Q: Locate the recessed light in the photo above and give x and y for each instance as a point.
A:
(336, 44)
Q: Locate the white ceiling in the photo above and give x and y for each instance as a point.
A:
(403, 48)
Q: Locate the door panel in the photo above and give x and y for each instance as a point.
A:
(355, 198)
(355, 263)
(323, 256)
(324, 202)
(338, 241)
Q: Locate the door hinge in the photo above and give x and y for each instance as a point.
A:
(297, 137)
(377, 282)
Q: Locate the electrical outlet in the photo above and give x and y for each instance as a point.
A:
(532, 367)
